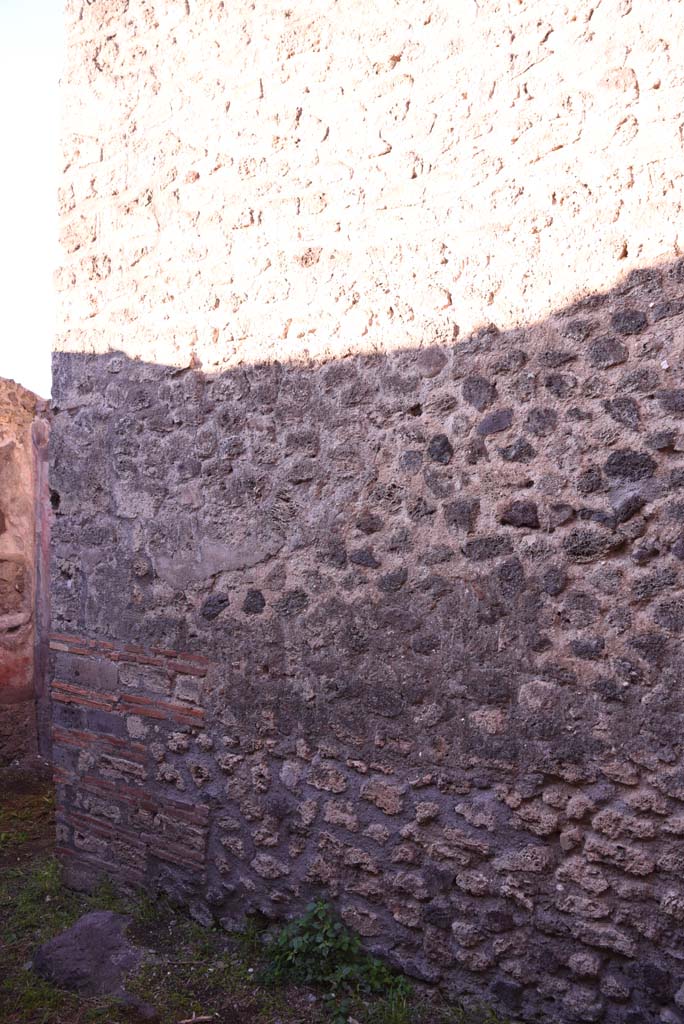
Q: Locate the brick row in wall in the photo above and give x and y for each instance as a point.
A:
(110, 819)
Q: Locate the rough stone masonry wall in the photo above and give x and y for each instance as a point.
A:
(20, 447)
(354, 592)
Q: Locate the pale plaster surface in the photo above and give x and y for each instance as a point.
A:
(285, 181)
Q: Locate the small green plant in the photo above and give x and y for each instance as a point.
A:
(316, 949)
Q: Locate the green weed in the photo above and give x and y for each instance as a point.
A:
(316, 949)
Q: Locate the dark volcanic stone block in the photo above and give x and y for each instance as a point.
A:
(627, 507)
(590, 481)
(521, 514)
(662, 440)
(369, 523)
(672, 400)
(652, 646)
(214, 605)
(494, 422)
(254, 602)
(624, 411)
(462, 513)
(293, 602)
(554, 580)
(578, 330)
(440, 449)
(560, 384)
(560, 513)
(510, 362)
(391, 582)
(670, 615)
(541, 422)
(629, 321)
(520, 451)
(584, 545)
(630, 465)
(588, 648)
(607, 351)
(556, 357)
(668, 309)
(478, 392)
(481, 549)
(365, 557)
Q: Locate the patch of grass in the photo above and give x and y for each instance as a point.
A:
(35, 906)
(26, 818)
(394, 1008)
(9, 839)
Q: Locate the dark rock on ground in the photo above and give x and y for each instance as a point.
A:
(93, 957)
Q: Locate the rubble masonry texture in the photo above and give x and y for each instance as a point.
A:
(353, 592)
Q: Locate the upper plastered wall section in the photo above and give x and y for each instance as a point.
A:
(250, 182)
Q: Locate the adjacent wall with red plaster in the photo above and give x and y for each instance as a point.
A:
(23, 453)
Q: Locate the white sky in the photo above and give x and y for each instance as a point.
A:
(30, 64)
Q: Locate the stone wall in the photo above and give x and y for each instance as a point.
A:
(353, 591)
(22, 440)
